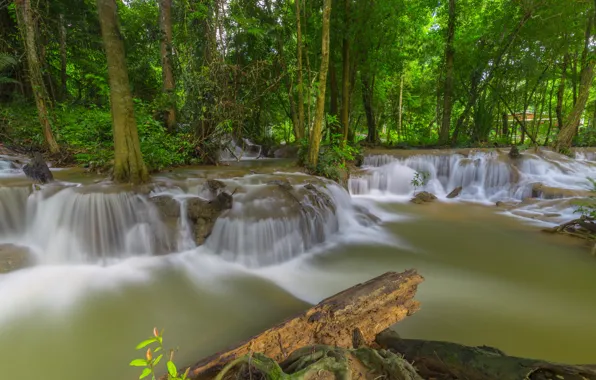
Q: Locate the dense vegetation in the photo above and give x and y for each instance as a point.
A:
(199, 72)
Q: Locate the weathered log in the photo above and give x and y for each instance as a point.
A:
(446, 361)
(370, 307)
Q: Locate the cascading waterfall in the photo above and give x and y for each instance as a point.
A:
(7, 168)
(482, 176)
(240, 150)
(66, 225)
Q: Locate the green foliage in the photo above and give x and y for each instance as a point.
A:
(420, 179)
(587, 207)
(333, 158)
(150, 362)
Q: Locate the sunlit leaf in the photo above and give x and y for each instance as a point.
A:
(145, 343)
(172, 369)
(138, 363)
(146, 372)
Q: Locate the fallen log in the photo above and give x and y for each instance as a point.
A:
(356, 314)
(447, 361)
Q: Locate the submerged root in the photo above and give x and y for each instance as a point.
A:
(583, 228)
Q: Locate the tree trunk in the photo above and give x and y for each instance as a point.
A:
(505, 122)
(128, 161)
(561, 91)
(345, 101)
(315, 135)
(169, 85)
(550, 114)
(300, 130)
(27, 28)
(400, 110)
(63, 59)
(444, 360)
(449, 77)
(569, 129)
(333, 104)
(369, 308)
(367, 101)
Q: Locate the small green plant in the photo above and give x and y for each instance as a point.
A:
(420, 179)
(587, 207)
(150, 362)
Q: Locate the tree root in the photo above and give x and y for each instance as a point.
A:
(583, 228)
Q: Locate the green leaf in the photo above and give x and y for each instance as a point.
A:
(145, 343)
(146, 372)
(172, 369)
(157, 349)
(138, 363)
(157, 360)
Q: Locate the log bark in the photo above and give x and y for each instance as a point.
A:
(443, 360)
(370, 307)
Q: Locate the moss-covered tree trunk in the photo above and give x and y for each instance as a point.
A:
(128, 161)
(63, 59)
(449, 77)
(315, 135)
(345, 95)
(169, 84)
(561, 91)
(27, 28)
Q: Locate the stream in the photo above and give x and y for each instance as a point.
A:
(106, 267)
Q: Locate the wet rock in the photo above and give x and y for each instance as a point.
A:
(285, 185)
(514, 152)
(214, 186)
(13, 257)
(203, 214)
(167, 206)
(38, 170)
(546, 192)
(506, 205)
(423, 197)
(286, 151)
(455, 193)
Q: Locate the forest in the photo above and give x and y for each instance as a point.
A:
(143, 85)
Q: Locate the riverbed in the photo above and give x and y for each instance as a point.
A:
(491, 279)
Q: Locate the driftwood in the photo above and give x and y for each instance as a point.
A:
(352, 317)
(447, 361)
(583, 228)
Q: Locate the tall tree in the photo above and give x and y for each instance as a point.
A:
(169, 85)
(588, 61)
(27, 28)
(345, 95)
(315, 136)
(128, 161)
(449, 76)
(300, 85)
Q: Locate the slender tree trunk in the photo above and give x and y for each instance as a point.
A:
(574, 79)
(505, 122)
(449, 77)
(569, 129)
(315, 136)
(345, 101)
(594, 118)
(300, 130)
(333, 104)
(167, 72)
(367, 101)
(401, 99)
(27, 28)
(63, 59)
(128, 161)
(561, 91)
(550, 114)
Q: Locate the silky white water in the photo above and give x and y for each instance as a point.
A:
(102, 280)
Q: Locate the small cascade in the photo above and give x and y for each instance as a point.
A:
(483, 176)
(240, 150)
(69, 225)
(274, 221)
(7, 167)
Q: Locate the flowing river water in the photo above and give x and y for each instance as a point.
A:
(101, 279)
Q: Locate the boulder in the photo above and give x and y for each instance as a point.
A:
(514, 152)
(423, 197)
(13, 257)
(203, 214)
(214, 186)
(38, 170)
(167, 206)
(455, 193)
(286, 151)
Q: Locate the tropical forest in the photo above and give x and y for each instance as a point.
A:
(297, 189)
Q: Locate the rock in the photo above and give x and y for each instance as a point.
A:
(13, 257)
(286, 151)
(168, 206)
(514, 152)
(38, 170)
(203, 214)
(455, 193)
(506, 205)
(546, 192)
(283, 184)
(214, 186)
(423, 197)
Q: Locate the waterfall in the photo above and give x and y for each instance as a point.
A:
(81, 225)
(484, 177)
(244, 150)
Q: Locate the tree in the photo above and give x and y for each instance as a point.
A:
(169, 86)
(300, 130)
(27, 28)
(315, 136)
(449, 76)
(128, 161)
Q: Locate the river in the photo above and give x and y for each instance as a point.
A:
(99, 285)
